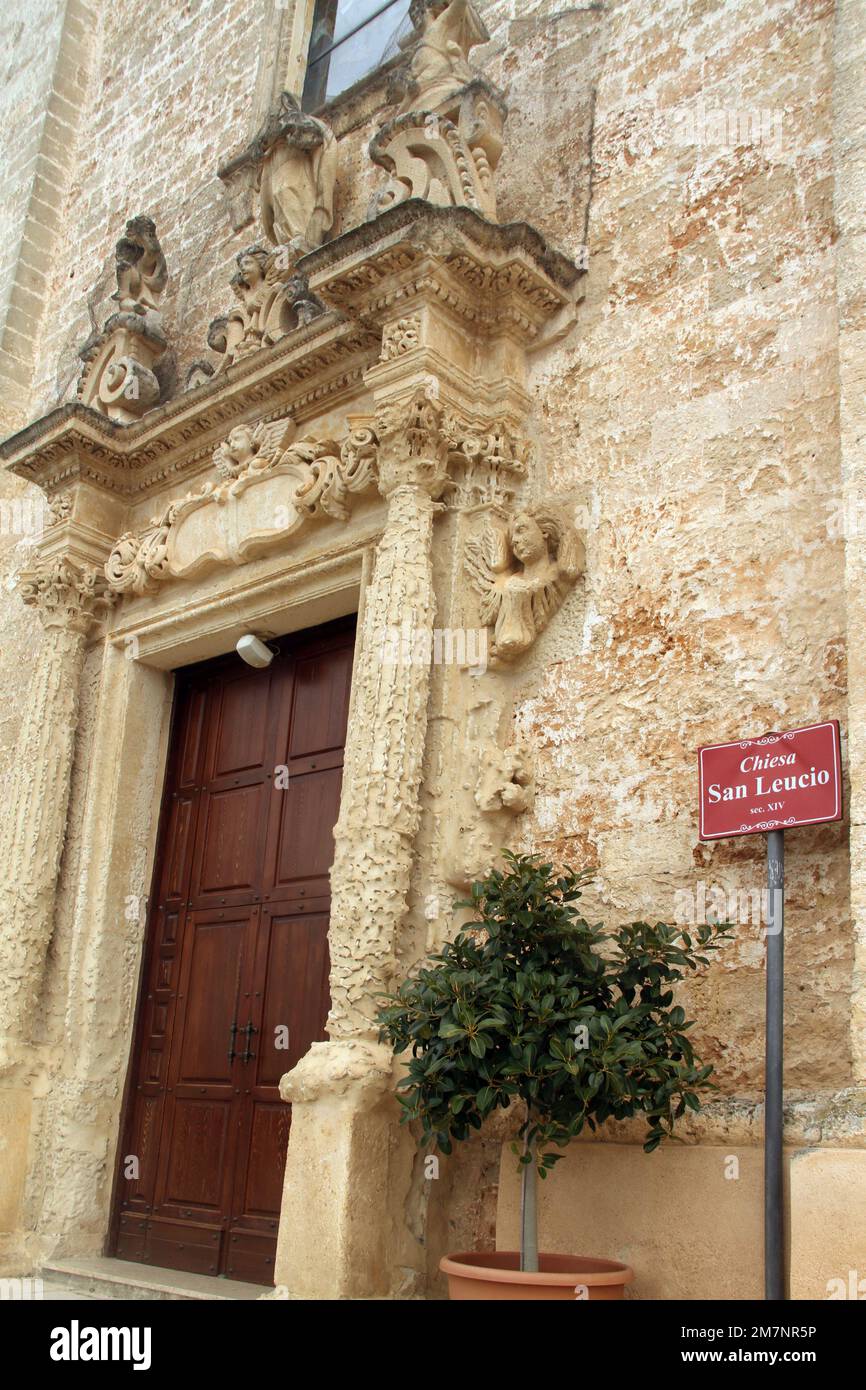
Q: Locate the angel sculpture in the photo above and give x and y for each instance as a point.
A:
(262, 314)
(440, 63)
(140, 267)
(519, 601)
(253, 448)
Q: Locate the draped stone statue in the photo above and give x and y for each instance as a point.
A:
(440, 63)
(297, 157)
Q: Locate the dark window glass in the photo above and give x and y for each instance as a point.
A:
(350, 38)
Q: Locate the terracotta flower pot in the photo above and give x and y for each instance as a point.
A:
(496, 1274)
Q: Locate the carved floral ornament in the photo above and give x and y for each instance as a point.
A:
(269, 485)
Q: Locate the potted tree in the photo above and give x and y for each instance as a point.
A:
(531, 1006)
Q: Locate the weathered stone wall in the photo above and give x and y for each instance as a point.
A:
(693, 415)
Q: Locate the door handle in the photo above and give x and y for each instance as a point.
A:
(233, 1032)
(247, 1055)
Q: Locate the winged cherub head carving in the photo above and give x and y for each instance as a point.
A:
(523, 571)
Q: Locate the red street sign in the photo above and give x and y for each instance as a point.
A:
(771, 783)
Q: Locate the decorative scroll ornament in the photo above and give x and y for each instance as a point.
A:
(66, 594)
(447, 157)
(272, 301)
(268, 488)
(523, 568)
(118, 378)
(446, 141)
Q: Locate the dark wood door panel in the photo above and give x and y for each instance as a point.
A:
(230, 843)
(241, 725)
(218, 956)
(197, 1135)
(302, 850)
(296, 996)
(235, 980)
(193, 716)
(321, 703)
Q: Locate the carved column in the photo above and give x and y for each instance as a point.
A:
(68, 597)
(339, 1087)
(380, 808)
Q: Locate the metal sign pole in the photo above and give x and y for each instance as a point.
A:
(774, 1222)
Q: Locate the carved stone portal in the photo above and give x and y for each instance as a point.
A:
(436, 423)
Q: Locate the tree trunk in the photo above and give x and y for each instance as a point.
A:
(529, 1209)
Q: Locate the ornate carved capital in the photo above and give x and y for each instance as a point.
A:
(66, 594)
(414, 446)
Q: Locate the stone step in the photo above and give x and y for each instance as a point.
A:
(96, 1277)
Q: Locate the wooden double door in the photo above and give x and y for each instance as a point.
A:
(235, 978)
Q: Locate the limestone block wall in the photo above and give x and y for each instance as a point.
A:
(696, 413)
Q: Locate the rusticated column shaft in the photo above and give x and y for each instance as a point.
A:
(344, 1144)
(68, 599)
(380, 808)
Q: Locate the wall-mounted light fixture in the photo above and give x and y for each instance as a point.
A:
(254, 651)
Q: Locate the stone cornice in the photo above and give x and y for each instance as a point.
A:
(314, 368)
(487, 279)
(346, 271)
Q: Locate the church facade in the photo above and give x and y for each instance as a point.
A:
(493, 375)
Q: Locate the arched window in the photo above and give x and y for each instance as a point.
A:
(350, 38)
